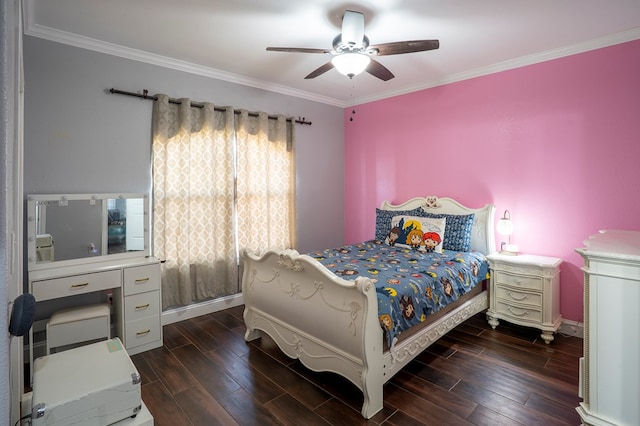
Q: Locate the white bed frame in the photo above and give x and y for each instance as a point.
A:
(331, 324)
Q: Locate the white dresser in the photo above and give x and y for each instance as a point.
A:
(135, 284)
(525, 290)
(610, 369)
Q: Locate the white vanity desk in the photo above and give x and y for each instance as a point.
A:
(136, 295)
(120, 267)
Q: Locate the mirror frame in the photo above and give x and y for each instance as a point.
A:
(33, 199)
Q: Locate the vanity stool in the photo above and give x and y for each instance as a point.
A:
(77, 325)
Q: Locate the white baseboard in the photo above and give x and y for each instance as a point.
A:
(568, 327)
(197, 309)
(572, 328)
(168, 317)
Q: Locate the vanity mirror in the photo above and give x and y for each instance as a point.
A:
(68, 229)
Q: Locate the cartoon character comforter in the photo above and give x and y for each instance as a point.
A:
(410, 284)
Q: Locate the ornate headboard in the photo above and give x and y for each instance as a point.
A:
(483, 235)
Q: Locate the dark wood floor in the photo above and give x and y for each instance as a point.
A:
(207, 374)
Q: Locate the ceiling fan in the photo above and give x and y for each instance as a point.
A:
(353, 54)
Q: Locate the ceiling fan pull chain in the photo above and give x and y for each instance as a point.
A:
(353, 109)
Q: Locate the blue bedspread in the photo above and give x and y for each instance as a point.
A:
(410, 284)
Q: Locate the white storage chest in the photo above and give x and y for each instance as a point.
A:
(96, 384)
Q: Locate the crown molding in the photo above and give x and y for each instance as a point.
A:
(606, 41)
(47, 33)
(138, 55)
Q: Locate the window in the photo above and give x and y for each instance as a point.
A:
(223, 181)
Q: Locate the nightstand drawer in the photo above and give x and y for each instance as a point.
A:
(513, 295)
(519, 281)
(527, 314)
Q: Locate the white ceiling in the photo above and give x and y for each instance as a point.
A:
(226, 39)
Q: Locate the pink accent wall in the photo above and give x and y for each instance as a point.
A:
(555, 143)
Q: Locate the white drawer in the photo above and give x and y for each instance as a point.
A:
(142, 331)
(515, 295)
(142, 305)
(76, 284)
(139, 279)
(523, 314)
(519, 281)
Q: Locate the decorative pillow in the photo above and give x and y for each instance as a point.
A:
(418, 233)
(383, 220)
(457, 236)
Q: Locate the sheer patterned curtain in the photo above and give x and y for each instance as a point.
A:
(266, 182)
(206, 196)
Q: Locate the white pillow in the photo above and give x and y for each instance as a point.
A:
(423, 234)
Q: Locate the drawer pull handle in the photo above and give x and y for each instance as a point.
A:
(138, 307)
(142, 280)
(142, 333)
(79, 285)
(519, 314)
(523, 297)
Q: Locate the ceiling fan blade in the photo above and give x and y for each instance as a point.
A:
(320, 70)
(376, 69)
(399, 47)
(352, 28)
(298, 50)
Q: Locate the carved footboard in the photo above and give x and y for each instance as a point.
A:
(329, 323)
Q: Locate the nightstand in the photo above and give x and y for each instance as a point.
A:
(525, 290)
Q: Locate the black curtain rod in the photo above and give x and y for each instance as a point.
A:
(145, 95)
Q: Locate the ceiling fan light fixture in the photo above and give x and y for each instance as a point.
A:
(350, 64)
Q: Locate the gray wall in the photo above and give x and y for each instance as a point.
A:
(6, 102)
(80, 139)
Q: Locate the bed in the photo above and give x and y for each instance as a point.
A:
(330, 320)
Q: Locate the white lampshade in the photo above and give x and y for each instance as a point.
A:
(350, 64)
(504, 225)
